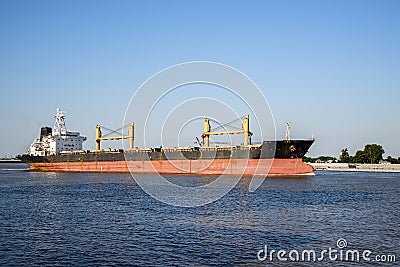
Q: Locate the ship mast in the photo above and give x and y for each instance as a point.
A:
(287, 137)
(59, 125)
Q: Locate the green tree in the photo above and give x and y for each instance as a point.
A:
(360, 157)
(327, 158)
(373, 153)
(308, 159)
(344, 156)
(392, 160)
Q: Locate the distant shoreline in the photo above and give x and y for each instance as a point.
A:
(10, 161)
(350, 167)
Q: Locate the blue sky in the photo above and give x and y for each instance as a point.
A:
(331, 68)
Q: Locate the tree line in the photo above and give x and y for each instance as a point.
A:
(371, 154)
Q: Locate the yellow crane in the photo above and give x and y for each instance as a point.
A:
(245, 131)
(130, 136)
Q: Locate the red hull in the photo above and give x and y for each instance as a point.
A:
(267, 167)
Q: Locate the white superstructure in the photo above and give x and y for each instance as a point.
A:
(56, 140)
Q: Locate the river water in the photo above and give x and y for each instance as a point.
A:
(75, 219)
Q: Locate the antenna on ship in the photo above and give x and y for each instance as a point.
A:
(287, 136)
(59, 125)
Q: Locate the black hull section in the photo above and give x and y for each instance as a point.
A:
(285, 149)
(269, 149)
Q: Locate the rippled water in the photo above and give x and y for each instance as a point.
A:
(106, 219)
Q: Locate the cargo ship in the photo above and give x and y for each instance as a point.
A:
(59, 150)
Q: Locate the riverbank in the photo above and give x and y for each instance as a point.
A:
(351, 167)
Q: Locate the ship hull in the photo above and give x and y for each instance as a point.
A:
(266, 167)
(272, 158)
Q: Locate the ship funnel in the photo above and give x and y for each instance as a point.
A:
(45, 131)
